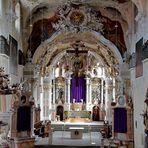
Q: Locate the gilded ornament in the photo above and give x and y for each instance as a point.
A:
(77, 18)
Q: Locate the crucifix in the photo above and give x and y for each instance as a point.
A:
(77, 63)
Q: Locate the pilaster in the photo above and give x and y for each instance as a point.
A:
(87, 93)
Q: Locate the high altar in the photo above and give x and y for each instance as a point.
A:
(74, 85)
(77, 106)
(57, 97)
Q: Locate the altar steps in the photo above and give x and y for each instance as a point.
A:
(63, 139)
(88, 127)
(64, 146)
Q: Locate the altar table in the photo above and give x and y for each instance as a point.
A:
(76, 132)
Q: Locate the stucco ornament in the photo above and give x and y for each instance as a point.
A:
(75, 17)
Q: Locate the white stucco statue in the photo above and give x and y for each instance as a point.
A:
(145, 115)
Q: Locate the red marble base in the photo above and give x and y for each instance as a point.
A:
(24, 142)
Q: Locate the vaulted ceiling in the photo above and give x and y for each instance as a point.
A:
(40, 15)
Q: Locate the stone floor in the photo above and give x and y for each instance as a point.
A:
(63, 138)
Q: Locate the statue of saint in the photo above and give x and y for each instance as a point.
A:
(145, 115)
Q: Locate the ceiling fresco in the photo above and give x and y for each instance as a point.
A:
(50, 27)
(41, 31)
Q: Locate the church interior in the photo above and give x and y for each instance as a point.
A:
(76, 67)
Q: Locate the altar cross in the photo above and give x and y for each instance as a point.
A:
(78, 44)
(77, 64)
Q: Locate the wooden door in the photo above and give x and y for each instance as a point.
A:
(60, 111)
(96, 113)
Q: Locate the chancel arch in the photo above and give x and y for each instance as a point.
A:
(79, 81)
(60, 41)
(57, 65)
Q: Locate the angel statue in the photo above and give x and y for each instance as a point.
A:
(145, 114)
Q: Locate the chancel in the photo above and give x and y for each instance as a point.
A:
(73, 72)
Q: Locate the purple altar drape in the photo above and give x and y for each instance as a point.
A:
(78, 92)
(120, 120)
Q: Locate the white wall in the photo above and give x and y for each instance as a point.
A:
(139, 85)
(7, 26)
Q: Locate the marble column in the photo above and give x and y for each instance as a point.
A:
(65, 90)
(46, 101)
(102, 91)
(53, 102)
(87, 93)
(50, 95)
(90, 94)
(68, 93)
(108, 99)
(36, 91)
(102, 105)
(114, 90)
(41, 99)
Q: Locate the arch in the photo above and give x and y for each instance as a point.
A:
(110, 45)
(60, 112)
(140, 7)
(48, 48)
(18, 16)
(37, 11)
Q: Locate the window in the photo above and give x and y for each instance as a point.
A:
(18, 20)
(1, 6)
